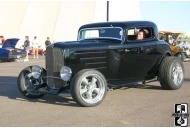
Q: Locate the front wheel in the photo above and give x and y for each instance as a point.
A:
(26, 83)
(88, 88)
(171, 73)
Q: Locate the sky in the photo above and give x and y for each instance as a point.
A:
(168, 15)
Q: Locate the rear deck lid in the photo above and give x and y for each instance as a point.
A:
(10, 43)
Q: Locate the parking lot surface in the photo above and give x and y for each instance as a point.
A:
(137, 105)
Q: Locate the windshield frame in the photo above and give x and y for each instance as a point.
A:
(93, 28)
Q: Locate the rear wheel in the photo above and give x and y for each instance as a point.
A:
(11, 60)
(88, 88)
(171, 73)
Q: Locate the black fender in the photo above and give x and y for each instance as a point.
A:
(167, 53)
(44, 72)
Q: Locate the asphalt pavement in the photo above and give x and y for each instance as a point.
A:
(138, 105)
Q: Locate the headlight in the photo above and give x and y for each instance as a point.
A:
(36, 71)
(65, 73)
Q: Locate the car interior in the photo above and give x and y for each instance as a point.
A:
(132, 33)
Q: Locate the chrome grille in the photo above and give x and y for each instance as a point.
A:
(54, 62)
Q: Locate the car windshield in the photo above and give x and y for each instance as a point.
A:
(101, 33)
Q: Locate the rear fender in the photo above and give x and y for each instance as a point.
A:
(163, 56)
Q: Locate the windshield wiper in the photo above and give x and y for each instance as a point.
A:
(114, 28)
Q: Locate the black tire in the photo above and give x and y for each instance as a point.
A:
(22, 86)
(11, 60)
(166, 70)
(42, 53)
(76, 88)
(182, 56)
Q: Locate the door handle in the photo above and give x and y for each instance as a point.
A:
(126, 50)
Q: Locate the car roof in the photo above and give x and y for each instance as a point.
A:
(123, 24)
(170, 32)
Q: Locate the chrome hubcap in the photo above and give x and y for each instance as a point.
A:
(29, 84)
(179, 55)
(92, 89)
(177, 74)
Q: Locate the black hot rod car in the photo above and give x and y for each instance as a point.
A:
(105, 55)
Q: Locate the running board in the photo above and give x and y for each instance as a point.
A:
(122, 85)
(149, 81)
(111, 86)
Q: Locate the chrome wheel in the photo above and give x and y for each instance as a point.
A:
(30, 83)
(179, 55)
(92, 89)
(177, 74)
(26, 84)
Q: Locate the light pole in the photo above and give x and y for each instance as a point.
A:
(107, 10)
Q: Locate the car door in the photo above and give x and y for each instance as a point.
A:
(138, 58)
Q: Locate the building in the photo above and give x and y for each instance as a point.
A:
(59, 20)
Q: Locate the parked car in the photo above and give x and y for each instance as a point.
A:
(40, 51)
(8, 52)
(174, 39)
(106, 55)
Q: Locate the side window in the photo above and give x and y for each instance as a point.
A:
(161, 36)
(142, 33)
(90, 33)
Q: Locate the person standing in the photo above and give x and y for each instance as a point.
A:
(35, 47)
(47, 42)
(2, 39)
(26, 47)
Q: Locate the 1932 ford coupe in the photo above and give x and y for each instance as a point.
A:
(105, 55)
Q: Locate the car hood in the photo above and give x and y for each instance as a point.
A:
(10, 43)
(87, 45)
